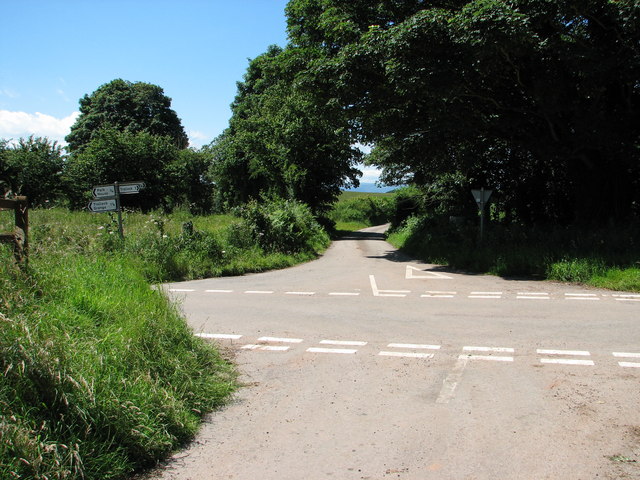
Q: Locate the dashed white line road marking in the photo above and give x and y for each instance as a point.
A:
(532, 296)
(485, 295)
(219, 336)
(567, 361)
(626, 355)
(344, 294)
(437, 294)
(581, 296)
(344, 351)
(280, 340)
(218, 291)
(488, 349)
(345, 343)
(414, 346)
(576, 353)
(629, 364)
(489, 358)
(406, 354)
(300, 293)
(267, 348)
(259, 292)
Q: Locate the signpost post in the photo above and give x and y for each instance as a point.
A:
(482, 198)
(108, 198)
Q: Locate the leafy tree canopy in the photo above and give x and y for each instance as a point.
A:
(127, 107)
(32, 167)
(538, 99)
(282, 140)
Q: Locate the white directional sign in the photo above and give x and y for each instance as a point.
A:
(133, 187)
(101, 191)
(108, 205)
(481, 196)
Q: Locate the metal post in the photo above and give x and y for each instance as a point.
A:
(119, 210)
(481, 213)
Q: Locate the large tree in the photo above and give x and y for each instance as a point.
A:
(125, 106)
(538, 99)
(282, 140)
(32, 167)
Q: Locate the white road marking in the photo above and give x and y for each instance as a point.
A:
(582, 353)
(424, 274)
(406, 354)
(300, 293)
(626, 355)
(259, 292)
(280, 340)
(414, 346)
(218, 291)
(219, 336)
(489, 358)
(627, 299)
(629, 364)
(344, 351)
(438, 294)
(532, 296)
(344, 294)
(181, 290)
(626, 295)
(488, 349)
(388, 293)
(451, 382)
(581, 296)
(266, 348)
(567, 361)
(485, 295)
(346, 343)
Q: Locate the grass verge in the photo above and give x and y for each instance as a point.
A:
(606, 259)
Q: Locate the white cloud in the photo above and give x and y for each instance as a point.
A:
(197, 139)
(369, 175)
(14, 125)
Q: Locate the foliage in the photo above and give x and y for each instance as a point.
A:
(32, 167)
(172, 176)
(284, 226)
(282, 140)
(538, 100)
(126, 107)
(100, 375)
(362, 210)
(605, 257)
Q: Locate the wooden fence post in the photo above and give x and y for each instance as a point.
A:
(20, 236)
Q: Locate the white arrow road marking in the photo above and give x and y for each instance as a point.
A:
(387, 293)
(424, 274)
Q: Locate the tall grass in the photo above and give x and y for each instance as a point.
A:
(356, 210)
(100, 374)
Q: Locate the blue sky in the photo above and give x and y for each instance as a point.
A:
(56, 51)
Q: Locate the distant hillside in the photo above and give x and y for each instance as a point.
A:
(372, 188)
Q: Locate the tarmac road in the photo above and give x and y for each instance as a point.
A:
(366, 364)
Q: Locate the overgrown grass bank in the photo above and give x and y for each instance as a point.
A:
(100, 374)
(606, 258)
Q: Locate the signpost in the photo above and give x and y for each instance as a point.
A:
(108, 198)
(482, 198)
